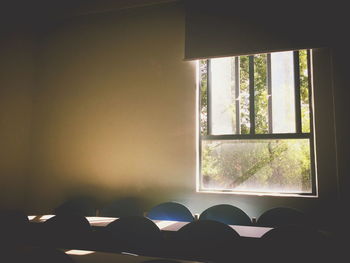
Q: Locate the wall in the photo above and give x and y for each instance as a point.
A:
(17, 74)
(113, 115)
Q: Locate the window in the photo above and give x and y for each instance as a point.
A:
(256, 132)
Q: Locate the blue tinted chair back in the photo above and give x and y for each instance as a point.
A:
(283, 216)
(227, 214)
(171, 211)
(123, 207)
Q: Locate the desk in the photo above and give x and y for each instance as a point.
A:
(96, 221)
(83, 256)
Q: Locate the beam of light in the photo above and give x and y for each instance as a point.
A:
(79, 252)
(130, 254)
(39, 218)
(45, 217)
(97, 219)
(164, 223)
(251, 231)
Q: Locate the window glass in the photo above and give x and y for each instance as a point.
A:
(255, 118)
(282, 85)
(222, 96)
(244, 93)
(261, 105)
(257, 165)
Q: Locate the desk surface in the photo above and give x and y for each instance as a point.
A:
(84, 256)
(244, 231)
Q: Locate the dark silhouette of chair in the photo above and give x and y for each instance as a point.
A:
(67, 231)
(206, 240)
(129, 206)
(79, 205)
(283, 216)
(134, 234)
(14, 227)
(171, 211)
(45, 255)
(227, 214)
(297, 243)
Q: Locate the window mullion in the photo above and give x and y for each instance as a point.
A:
(309, 69)
(251, 95)
(237, 96)
(269, 92)
(312, 140)
(260, 136)
(209, 114)
(298, 124)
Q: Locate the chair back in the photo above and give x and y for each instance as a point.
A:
(135, 234)
(282, 216)
(67, 230)
(14, 227)
(45, 255)
(206, 240)
(80, 205)
(227, 214)
(300, 243)
(171, 211)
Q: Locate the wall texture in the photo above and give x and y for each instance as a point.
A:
(111, 114)
(17, 73)
(114, 112)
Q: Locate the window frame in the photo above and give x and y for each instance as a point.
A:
(299, 134)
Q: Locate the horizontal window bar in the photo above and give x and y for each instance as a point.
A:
(262, 193)
(258, 136)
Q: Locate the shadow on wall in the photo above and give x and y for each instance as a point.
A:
(125, 206)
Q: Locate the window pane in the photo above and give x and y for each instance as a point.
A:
(244, 94)
(282, 85)
(260, 94)
(203, 73)
(222, 96)
(278, 165)
(304, 91)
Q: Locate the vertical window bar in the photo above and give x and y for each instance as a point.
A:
(298, 124)
(251, 95)
(269, 91)
(237, 97)
(200, 135)
(209, 117)
(309, 73)
(312, 140)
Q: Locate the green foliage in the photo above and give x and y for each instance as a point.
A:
(204, 96)
(244, 93)
(304, 91)
(261, 165)
(260, 96)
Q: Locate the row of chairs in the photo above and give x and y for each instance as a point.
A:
(198, 240)
(229, 214)
(223, 213)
